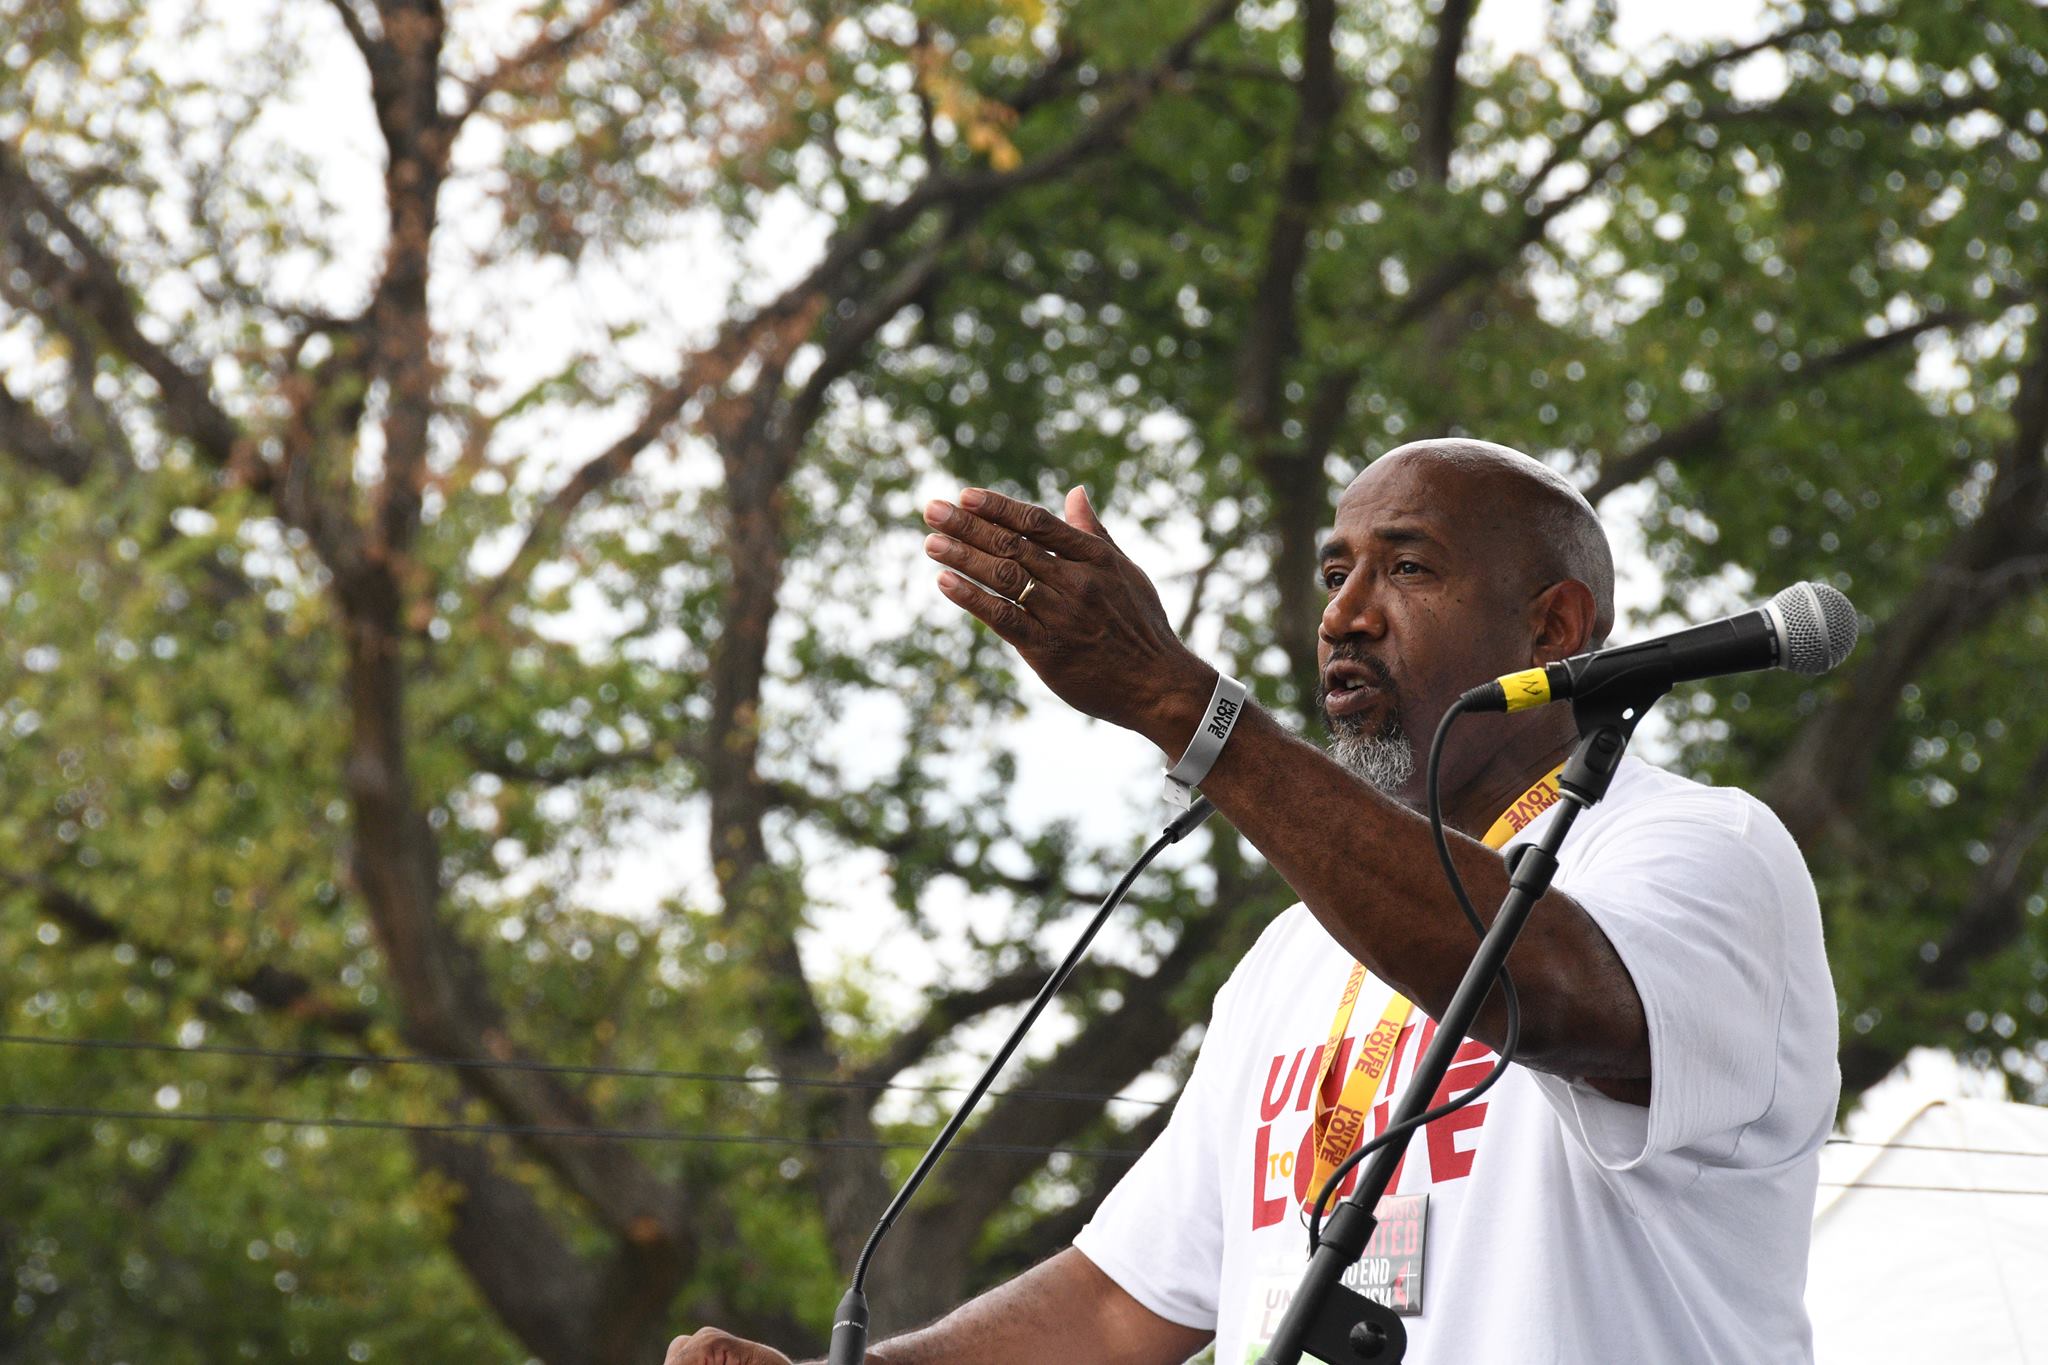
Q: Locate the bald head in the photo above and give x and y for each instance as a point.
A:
(1543, 528)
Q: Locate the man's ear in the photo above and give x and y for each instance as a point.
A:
(1561, 620)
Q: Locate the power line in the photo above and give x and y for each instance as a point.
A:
(1926, 1189)
(1934, 1147)
(729, 1078)
(720, 1077)
(720, 1139)
(68, 1111)
(739, 1139)
(553, 1068)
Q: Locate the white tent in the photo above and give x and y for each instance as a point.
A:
(1937, 1249)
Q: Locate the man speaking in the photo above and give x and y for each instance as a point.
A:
(1640, 1187)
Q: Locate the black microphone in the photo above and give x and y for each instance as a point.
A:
(1808, 628)
(850, 1322)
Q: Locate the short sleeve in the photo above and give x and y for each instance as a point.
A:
(1693, 891)
(1159, 1233)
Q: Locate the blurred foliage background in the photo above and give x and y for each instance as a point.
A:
(458, 480)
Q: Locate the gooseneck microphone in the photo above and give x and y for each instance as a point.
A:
(1808, 628)
(850, 1322)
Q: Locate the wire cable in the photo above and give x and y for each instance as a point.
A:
(1176, 830)
(31, 1111)
(71, 1111)
(1934, 1147)
(1927, 1189)
(1119, 1153)
(1512, 1034)
(556, 1068)
(739, 1078)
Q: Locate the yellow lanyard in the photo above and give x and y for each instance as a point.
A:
(1337, 1127)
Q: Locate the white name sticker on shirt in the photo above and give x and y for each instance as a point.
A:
(1390, 1273)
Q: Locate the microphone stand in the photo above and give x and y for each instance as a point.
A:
(1335, 1323)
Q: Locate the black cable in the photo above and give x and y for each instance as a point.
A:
(1513, 1030)
(1106, 1153)
(771, 1139)
(556, 1068)
(1509, 1043)
(1177, 830)
(67, 1111)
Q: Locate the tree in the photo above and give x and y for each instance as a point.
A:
(345, 645)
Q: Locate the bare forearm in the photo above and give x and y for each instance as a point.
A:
(1367, 868)
(1064, 1309)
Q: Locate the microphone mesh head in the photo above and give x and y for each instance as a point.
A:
(1819, 626)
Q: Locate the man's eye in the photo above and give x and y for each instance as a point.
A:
(1407, 566)
(1333, 579)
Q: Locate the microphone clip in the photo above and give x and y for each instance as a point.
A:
(1607, 718)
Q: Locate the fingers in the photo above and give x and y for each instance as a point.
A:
(988, 537)
(1039, 525)
(709, 1346)
(1081, 514)
(1006, 619)
(1006, 576)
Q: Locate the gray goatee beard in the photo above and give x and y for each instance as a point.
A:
(1385, 760)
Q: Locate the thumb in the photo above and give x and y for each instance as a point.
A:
(1081, 514)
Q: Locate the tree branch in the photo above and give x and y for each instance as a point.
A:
(548, 51)
(1991, 916)
(352, 22)
(1220, 548)
(1107, 1054)
(1678, 72)
(839, 816)
(405, 76)
(884, 224)
(703, 372)
(1272, 337)
(1825, 771)
(436, 977)
(540, 1289)
(594, 764)
(1440, 91)
(276, 989)
(947, 1011)
(1057, 1231)
(93, 288)
(1702, 433)
(789, 318)
(1261, 72)
(28, 438)
(847, 339)
(1466, 267)
(1272, 331)
(1994, 913)
(314, 478)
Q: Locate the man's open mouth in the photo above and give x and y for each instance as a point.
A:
(1350, 687)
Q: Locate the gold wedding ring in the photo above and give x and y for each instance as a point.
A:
(1027, 591)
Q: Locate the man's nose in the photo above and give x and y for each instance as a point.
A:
(1354, 610)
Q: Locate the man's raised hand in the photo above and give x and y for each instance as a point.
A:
(709, 1346)
(1091, 627)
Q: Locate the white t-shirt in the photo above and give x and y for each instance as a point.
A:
(1559, 1225)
